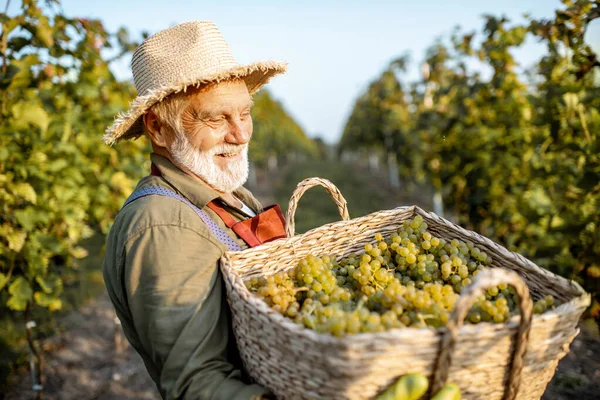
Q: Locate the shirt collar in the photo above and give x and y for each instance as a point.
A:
(194, 190)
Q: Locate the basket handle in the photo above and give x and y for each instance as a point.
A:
(340, 202)
(484, 280)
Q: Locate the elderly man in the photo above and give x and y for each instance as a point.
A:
(161, 265)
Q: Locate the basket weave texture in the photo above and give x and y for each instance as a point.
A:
(487, 361)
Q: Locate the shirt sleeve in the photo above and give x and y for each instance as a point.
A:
(175, 293)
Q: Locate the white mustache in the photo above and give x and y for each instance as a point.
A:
(227, 149)
(202, 163)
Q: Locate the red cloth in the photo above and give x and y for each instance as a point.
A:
(264, 227)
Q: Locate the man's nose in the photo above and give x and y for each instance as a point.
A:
(238, 132)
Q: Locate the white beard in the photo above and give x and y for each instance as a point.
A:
(202, 163)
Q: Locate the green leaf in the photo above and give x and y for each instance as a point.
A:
(3, 280)
(57, 165)
(16, 303)
(571, 100)
(79, 252)
(538, 200)
(8, 23)
(26, 114)
(16, 43)
(4, 153)
(37, 260)
(6, 79)
(46, 287)
(20, 72)
(52, 302)
(21, 293)
(25, 191)
(50, 243)
(50, 284)
(27, 218)
(44, 32)
(21, 287)
(55, 305)
(16, 240)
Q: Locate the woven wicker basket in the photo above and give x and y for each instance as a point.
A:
(488, 361)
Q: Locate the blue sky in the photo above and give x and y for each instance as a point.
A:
(334, 48)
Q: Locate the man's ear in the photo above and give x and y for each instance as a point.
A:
(155, 129)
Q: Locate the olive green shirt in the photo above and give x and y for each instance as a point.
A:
(162, 275)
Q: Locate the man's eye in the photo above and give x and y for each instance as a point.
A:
(217, 119)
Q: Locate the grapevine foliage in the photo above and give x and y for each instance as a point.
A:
(59, 183)
(515, 153)
(276, 133)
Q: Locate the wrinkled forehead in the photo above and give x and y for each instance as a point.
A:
(231, 92)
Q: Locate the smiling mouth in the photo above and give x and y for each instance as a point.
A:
(227, 155)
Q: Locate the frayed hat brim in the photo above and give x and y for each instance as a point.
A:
(129, 125)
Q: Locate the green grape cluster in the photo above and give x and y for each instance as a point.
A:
(409, 279)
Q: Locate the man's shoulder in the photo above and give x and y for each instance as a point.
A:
(159, 222)
(155, 210)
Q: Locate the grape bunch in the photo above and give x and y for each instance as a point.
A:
(409, 279)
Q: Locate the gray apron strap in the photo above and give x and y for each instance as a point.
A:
(215, 229)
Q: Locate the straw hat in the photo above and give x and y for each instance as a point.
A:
(192, 53)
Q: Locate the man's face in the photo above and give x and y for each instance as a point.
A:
(217, 127)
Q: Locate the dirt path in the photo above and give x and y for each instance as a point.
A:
(83, 364)
(578, 374)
